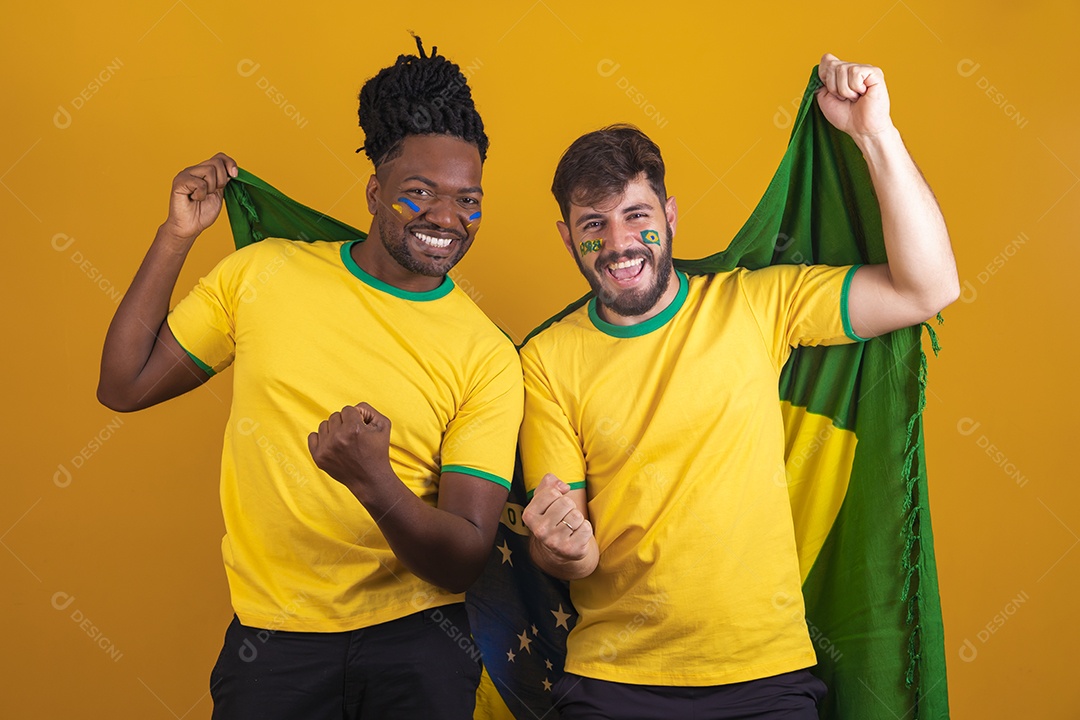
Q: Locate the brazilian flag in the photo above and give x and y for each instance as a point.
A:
(855, 462)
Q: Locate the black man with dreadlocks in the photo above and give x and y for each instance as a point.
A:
(350, 540)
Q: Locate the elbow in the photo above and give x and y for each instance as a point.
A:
(115, 400)
(951, 295)
(460, 585)
(462, 579)
(927, 302)
(943, 296)
(459, 589)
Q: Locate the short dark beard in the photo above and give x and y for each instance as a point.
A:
(397, 244)
(632, 304)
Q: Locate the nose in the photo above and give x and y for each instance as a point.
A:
(441, 211)
(622, 237)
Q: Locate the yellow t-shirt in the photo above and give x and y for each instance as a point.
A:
(673, 427)
(309, 332)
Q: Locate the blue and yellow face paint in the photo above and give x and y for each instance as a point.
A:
(406, 201)
(473, 218)
(650, 237)
(590, 246)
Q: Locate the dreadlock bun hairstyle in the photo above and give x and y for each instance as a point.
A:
(417, 95)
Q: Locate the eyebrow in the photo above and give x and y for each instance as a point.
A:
(474, 190)
(588, 217)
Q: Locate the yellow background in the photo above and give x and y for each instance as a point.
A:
(115, 518)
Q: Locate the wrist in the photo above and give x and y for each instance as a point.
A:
(880, 144)
(174, 240)
(557, 564)
(373, 487)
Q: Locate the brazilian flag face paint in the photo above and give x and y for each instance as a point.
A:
(650, 237)
(590, 246)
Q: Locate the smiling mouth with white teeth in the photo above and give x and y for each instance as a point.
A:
(432, 241)
(626, 269)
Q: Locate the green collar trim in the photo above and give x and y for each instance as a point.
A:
(642, 328)
(425, 296)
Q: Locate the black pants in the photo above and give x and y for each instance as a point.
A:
(790, 696)
(423, 665)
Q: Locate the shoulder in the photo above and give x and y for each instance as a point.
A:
(753, 282)
(782, 274)
(258, 254)
(566, 332)
(786, 284)
(474, 326)
(715, 287)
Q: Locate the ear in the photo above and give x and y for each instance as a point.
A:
(372, 194)
(564, 233)
(671, 212)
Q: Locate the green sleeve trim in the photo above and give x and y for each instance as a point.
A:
(573, 486)
(477, 473)
(845, 316)
(202, 366)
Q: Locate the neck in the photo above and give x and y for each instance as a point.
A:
(609, 316)
(373, 259)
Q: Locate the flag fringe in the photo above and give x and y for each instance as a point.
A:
(933, 335)
(912, 557)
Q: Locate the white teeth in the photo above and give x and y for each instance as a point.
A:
(433, 241)
(626, 263)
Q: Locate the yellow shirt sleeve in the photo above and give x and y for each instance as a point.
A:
(548, 441)
(481, 438)
(204, 322)
(799, 305)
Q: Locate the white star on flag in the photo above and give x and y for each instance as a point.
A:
(525, 642)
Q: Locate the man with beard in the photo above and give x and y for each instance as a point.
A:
(347, 584)
(653, 434)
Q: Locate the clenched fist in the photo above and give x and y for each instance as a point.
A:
(854, 98)
(353, 447)
(197, 196)
(562, 537)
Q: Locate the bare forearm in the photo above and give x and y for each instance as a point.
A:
(921, 265)
(435, 545)
(134, 329)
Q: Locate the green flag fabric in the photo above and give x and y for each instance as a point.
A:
(258, 210)
(855, 462)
